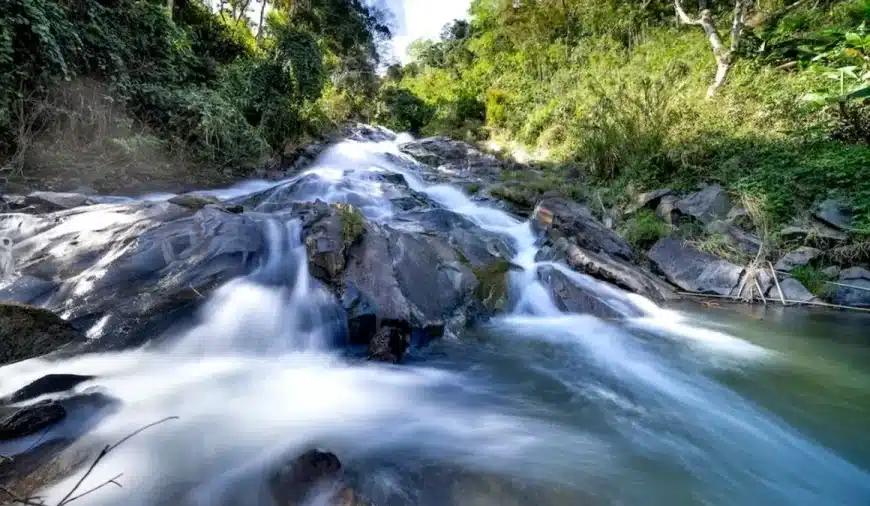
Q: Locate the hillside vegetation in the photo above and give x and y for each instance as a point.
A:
(121, 93)
(614, 96)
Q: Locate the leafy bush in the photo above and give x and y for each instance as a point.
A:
(644, 229)
(402, 111)
(813, 279)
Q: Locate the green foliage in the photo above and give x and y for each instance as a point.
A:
(813, 279)
(402, 111)
(645, 228)
(613, 94)
(199, 82)
(353, 224)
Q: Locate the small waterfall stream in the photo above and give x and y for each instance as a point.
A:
(535, 407)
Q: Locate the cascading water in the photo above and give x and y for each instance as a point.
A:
(536, 407)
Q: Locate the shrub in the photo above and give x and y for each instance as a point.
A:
(402, 111)
(645, 228)
(813, 279)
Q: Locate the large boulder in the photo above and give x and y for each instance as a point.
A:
(746, 242)
(27, 332)
(29, 419)
(853, 288)
(565, 218)
(711, 203)
(693, 270)
(804, 230)
(606, 268)
(570, 297)
(136, 267)
(835, 213)
(797, 258)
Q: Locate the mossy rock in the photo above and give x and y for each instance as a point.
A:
(192, 201)
(492, 288)
(353, 225)
(27, 332)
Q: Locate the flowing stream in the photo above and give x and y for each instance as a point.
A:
(677, 406)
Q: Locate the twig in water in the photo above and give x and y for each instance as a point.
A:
(68, 498)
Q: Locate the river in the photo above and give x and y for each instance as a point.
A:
(686, 405)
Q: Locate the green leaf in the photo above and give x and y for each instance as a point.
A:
(858, 94)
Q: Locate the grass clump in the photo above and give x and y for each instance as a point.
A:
(353, 224)
(492, 288)
(815, 280)
(644, 229)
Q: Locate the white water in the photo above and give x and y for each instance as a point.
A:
(257, 380)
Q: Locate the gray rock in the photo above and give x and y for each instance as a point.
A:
(29, 420)
(649, 200)
(607, 268)
(389, 344)
(801, 231)
(27, 332)
(857, 293)
(831, 272)
(711, 203)
(194, 201)
(26, 289)
(44, 202)
(747, 242)
(797, 258)
(456, 158)
(739, 217)
(314, 474)
(835, 213)
(571, 298)
(693, 270)
(565, 218)
(792, 290)
(48, 384)
(667, 209)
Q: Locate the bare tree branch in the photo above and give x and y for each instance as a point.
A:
(683, 15)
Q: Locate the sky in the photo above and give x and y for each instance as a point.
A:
(422, 19)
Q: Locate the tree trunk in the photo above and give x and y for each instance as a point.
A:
(723, 55)
(260, 26)
(242, 10)
(170, 4)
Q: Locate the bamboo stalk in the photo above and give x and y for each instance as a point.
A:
(776, 280)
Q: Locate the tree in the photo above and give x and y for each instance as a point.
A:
(261, 23)
(723, 54)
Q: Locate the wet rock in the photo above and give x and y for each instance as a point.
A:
(835, 213)
(571, 298)
(797, 258)
(711, 203)
(49, 202)
(792, 290)
(30, 419)
(648, 200)
(325, 248)
(194, 201)
(667, 209)
(48, 384)
(565, 218)
(455, 159)
(480, 248)
(25, 289)
(693, 270)
(858, 292)
(737, 237)
(389, 344)
(306, 475)
(520, 197)
(27, 332)
(607, 268)
(492, 288)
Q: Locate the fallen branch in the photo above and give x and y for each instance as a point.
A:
(776, 280)
(801, 302)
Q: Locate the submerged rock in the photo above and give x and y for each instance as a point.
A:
(315, 473)
(857, 291)
(711, 203)
(47, 202)
(693, 270)
(797, 258)
(27, 332)
(30, 419)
